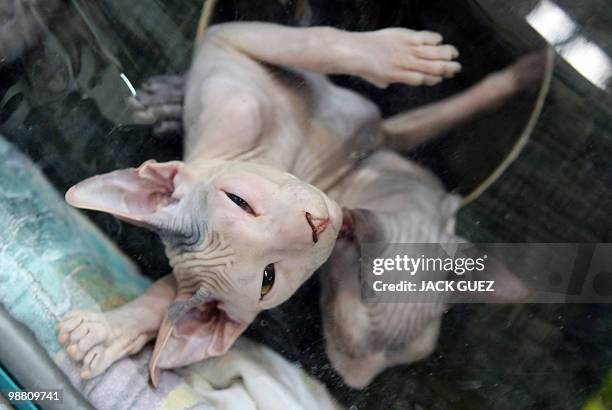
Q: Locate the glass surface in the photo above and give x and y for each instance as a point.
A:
(63, 91)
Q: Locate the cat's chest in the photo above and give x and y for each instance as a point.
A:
(329, 128)
(323, 157)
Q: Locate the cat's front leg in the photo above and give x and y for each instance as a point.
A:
(98, 339)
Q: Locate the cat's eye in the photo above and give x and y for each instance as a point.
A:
(267, 280)
(241, 203)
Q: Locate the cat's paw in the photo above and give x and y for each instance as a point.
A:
(97, 340)
(399, 55)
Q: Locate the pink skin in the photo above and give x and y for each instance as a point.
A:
(226, 259)
(284, 150)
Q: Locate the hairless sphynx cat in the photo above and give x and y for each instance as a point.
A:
(273, 153)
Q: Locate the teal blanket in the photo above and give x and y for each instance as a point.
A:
(53, 259)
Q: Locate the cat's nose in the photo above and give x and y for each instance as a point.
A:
(317, 225)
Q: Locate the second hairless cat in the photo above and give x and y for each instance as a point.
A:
(282, 169)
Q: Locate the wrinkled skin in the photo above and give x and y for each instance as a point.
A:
(285, 140)
(394, 202)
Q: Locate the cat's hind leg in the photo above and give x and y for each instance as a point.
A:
(406, 130)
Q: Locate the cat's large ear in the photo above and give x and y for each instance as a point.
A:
(508, 286)
(187, 334)
(361, 226)
(147, 196)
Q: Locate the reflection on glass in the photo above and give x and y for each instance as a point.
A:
(128, 83)
(560, 30)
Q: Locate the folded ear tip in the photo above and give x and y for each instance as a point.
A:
(525, 293)
(516, 291)
(147, 163)
(154, 374)
(77, 196)
(70, 196)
